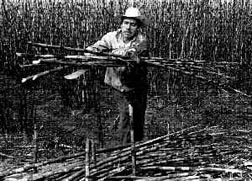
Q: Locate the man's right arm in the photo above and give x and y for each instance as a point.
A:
(101, 45)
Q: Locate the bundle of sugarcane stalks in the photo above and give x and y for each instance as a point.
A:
(207, 72)
(194, 153)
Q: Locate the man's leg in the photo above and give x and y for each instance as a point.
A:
(139, 108)
(138, 100)
(124, 124)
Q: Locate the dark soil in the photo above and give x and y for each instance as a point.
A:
(63, 130)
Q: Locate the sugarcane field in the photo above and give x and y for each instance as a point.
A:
(125, 90)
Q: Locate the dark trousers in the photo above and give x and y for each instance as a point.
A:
(138, 100)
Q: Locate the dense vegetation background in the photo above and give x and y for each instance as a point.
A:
(64, 112)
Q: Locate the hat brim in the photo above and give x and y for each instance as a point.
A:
(143, 20)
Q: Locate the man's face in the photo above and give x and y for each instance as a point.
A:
(129, 28)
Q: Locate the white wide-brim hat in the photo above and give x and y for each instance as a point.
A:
(134, 13)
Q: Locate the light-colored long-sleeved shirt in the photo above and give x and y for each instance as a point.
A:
(123, 78)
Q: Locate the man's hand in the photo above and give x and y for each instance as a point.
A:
(92, 49)
(132, 53)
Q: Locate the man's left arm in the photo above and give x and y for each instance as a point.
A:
(142, 48)
(139, 49)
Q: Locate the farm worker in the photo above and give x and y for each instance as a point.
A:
(129, 82)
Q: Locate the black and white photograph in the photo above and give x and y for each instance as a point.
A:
(125, 90)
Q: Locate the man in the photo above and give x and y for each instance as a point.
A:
(130, 82)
